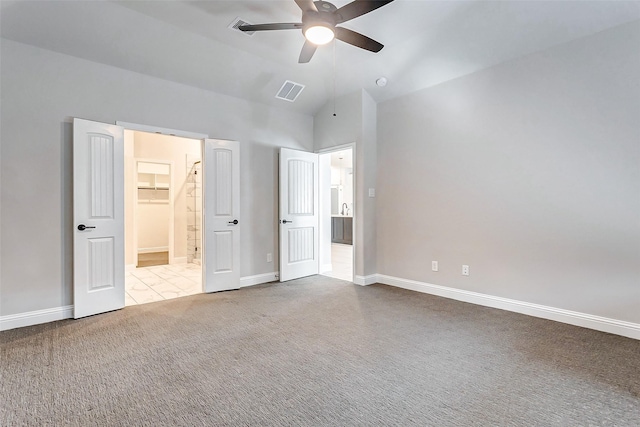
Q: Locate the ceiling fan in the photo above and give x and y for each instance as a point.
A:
(319, 25)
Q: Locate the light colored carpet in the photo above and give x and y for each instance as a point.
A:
(313, 352)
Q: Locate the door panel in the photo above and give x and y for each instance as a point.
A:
(221, 215)
(298, 214)
(98, 212)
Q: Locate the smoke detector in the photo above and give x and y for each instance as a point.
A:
(382, 81)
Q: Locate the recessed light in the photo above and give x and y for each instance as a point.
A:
(382, 81)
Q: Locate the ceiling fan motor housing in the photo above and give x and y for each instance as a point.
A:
(325, 6)
(312, 19)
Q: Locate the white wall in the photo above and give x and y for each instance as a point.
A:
(529, 172)
(41, 91)
(355, 122)
(153, 227)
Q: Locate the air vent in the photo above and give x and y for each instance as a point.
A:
(289, 91)
(238, 22)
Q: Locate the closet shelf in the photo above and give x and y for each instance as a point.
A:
(152, 188)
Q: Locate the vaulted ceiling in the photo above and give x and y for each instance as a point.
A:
(426, 42)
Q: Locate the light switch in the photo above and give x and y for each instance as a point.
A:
(372, 192)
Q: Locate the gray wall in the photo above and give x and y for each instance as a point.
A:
(529, 172)
(355, 122)
(41, 91)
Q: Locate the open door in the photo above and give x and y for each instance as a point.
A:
(98, 218)
(299, 255)
(221, 207)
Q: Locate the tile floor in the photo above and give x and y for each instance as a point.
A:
(160, 282)
(341, 261)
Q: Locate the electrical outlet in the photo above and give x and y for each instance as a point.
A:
(434, 265)
(465, 270)
(372, 192)
(269, 257)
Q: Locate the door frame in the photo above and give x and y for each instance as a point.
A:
(172, 230)
(181, 134)
(342, 147)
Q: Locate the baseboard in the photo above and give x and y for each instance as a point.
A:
(325, 268)
(603, 324)
(180, 260)
(365, 280)
(30, 318)
(129, 268)
(152, 250)
(258, 279)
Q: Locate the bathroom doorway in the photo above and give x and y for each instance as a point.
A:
(163, 217)
(337, 213)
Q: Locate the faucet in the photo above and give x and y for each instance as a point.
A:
(345, 209)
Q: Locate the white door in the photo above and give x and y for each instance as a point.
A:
(98, 218)
(298, 214)
(221, 208)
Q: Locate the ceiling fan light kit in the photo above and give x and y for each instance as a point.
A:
(319, 20)
(319, 34)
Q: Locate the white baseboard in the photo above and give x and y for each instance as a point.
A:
(31, 318)
(365, 280)
(35, 317)
(152, 250)
(258, 279)
(180, 260)
(325, 268)
(604, 324)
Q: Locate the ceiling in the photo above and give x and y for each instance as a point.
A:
(426, 42)
(342, 159)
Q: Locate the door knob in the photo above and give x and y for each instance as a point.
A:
(284, 221)
(83, 227)
(234, 222)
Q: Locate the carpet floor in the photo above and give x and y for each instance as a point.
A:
(316, 352)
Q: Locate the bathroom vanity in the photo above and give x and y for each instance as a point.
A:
(342, 229)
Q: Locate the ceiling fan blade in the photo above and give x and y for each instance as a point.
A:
(358, 39)
(269, 27)
(308, 49)
(306, 5)
(357, 8)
